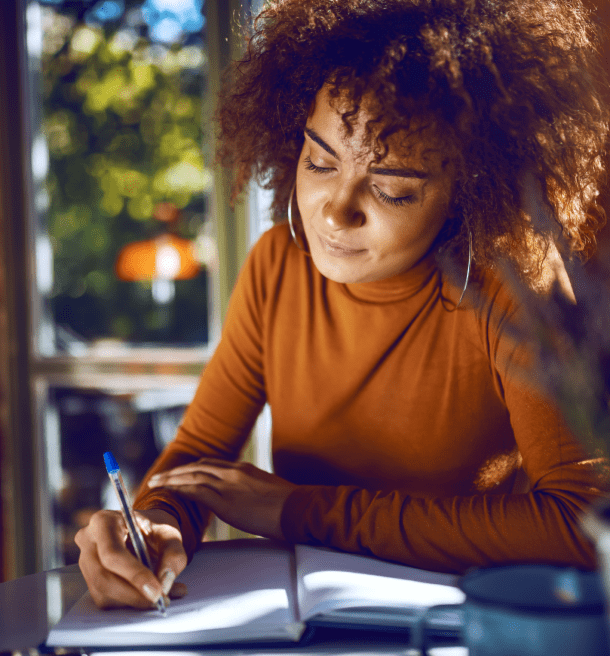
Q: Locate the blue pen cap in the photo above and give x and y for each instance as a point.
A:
(111, 464)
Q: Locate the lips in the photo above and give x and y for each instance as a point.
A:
(337, 249)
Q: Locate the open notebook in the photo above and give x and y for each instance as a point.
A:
(258, 590)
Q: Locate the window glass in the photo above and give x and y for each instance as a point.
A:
(134, 426)
(126, 186)
(124, 249)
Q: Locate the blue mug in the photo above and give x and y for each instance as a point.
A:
(529, 610)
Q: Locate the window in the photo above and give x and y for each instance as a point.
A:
(127, 255)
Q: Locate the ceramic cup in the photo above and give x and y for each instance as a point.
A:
(531, 610)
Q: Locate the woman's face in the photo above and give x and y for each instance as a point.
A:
(368, 221)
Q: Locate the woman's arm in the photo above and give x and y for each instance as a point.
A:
(229, 398)
(216, 424)
(455, 533)
(447, 534)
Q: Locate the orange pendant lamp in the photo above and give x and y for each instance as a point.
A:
(166, 257)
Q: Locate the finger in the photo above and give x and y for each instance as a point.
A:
(201, 464)
(220, 462)
(198, 477)
(111, 591)
(107, 589)
(145, 525)
(117, 559)
(200, 474)
(173, 560)
(208, 496)
(162, 478)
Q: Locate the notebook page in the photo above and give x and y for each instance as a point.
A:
(332, 581)
(239, 589)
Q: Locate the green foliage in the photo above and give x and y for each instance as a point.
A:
(123, 120)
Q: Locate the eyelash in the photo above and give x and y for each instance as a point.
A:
(310, 166)
(389, 200)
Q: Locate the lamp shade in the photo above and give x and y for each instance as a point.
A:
(167, 257)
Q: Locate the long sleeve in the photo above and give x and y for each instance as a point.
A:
(228, 399)
(453, 533)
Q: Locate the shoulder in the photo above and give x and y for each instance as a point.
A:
(501, 325)
(492, 298)
(486, 318)
(488, 302)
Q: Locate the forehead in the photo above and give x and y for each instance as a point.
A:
(360, 135)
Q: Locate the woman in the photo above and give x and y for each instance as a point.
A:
(403, 139)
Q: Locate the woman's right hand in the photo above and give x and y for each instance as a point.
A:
(113, 573)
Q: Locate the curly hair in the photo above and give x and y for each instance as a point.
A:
(512, 85)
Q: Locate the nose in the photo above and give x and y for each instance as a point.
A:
(341, 211)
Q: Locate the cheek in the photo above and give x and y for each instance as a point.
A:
(424, 221)
(401, 229)
(410, 234)
(307, 197)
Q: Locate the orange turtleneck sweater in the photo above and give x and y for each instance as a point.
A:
(403, 420)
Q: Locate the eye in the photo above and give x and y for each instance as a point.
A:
(391, 200)
(310, 166)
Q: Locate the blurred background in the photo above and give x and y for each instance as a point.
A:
(118, 248)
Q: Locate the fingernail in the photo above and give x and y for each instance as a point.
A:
(150, 594)
(167, 580)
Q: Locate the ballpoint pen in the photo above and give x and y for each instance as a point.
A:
(137, 539)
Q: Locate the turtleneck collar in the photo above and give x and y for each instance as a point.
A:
(396, 288)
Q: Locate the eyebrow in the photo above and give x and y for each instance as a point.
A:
(314, 136)
(400, 173)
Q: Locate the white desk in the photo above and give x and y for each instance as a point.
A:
(30, 606)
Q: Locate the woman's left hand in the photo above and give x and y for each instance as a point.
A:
(240, 494)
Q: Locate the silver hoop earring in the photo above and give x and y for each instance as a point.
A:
(467, 269)
(291, 222)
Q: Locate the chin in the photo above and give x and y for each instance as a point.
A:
(340, 272)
